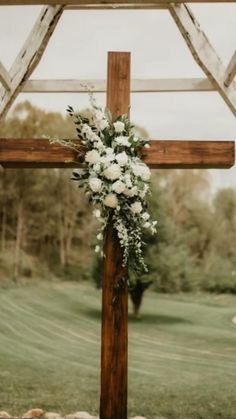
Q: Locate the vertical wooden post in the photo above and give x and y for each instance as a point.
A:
(114, 356)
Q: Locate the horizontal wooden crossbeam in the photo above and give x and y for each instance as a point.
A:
(112, 6)
(167, 154)
(137, 85)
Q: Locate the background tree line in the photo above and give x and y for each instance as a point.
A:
(47, 230)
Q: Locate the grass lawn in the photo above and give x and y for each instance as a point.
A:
(182, 353)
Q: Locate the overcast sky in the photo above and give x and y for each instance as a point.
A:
(78, 49)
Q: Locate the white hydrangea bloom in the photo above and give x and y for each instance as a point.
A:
(119, 126)
(111, 200)
(136, 207)
(95, 184)
(92, 157)
(113, 172)
(122, 158)
(118, 187)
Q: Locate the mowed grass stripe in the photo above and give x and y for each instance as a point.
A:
(27, 314)
(182, 357)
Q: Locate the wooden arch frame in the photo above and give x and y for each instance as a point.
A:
(17, 79)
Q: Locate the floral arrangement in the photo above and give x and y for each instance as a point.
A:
(114, 178)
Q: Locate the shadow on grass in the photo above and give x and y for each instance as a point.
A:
(144, 318)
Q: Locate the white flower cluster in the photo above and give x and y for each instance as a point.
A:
(115, 178)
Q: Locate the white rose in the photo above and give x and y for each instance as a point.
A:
(113, 172)
(92, 157)
(97, 249)
(136, 207)
(100, 236)
(122, 158)
(95, 184)
(118, 186)
(119, 126)
(145, 216)
(121, 140)
(111, 200)
(146, 225)
(129, 192)
(141, 170)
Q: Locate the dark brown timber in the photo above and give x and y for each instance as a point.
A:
(169, 154)
(114, 356)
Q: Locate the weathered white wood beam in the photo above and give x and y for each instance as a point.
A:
(230, 70)
(104, 2)
(99, 86)
(131, 6)
(4, 77)
(203, 52)
(30, 54)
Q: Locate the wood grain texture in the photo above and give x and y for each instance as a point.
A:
(137, 85)
(203, 52)
(230, 72)
(114, 354)
(30, 54)
(104, 2)
(169, 154)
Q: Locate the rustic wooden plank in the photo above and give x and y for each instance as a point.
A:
(98, 2)
(30, 54)
(4, 77)
(230, 72)
(137, 85)
(117, 6)
(203, 52)
(34, 152)
(114, 354)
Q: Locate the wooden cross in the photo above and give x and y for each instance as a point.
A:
(162, 154)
